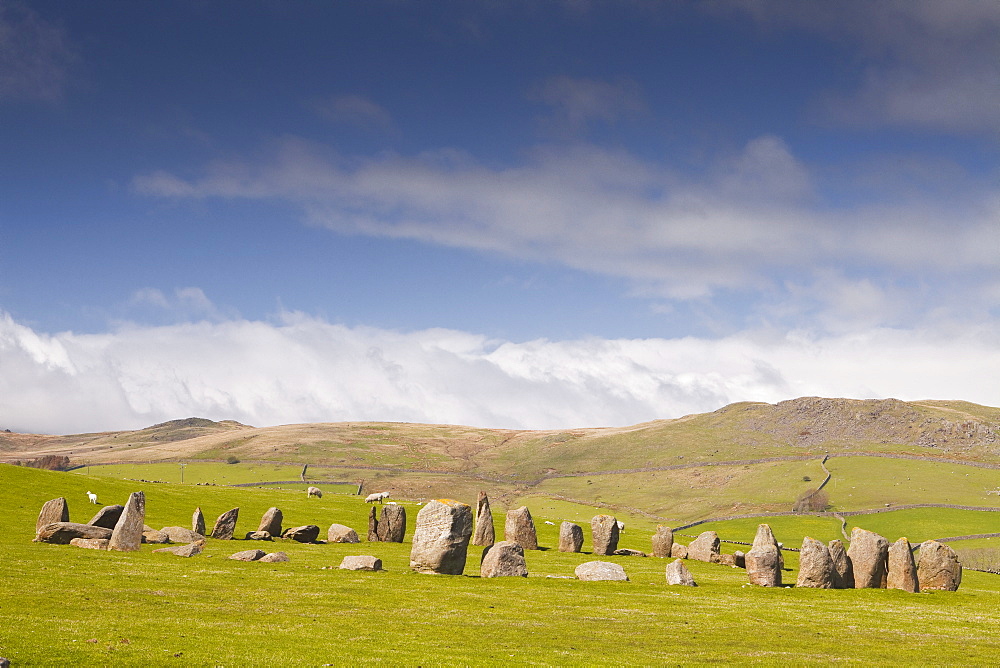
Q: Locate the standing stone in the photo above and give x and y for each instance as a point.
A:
(198, 522)
(520, 528)
(127, 536)
(225, 526)
(303, 534)
(679, 551)
(107, 517)
(678, 574)
(271, 522)
(338, 533)
(503, 559)
(55, 510)
(604, 534)
(663, 541)
(182, 535)
(868, 553)
(485, 534)
(902, 569)
(392, 523)
(61, 533)
(938, 568)
(570, 537)
(843, 574)
(361, 562)
(373, 525)
(815, 565)
(441, 539)
(593, 571)
(705, 547)
(762, 561)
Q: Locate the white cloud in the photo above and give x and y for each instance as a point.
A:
(35, 56)
(303, 369)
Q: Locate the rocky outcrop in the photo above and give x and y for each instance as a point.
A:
(663, 541)
(198, 522)
(338, 533)
(570, 537)
(604, 534)
(270, 521)
(441, 538)
(56, 510)
(392, 523)
(247, 555)
(815, 565)
(107, 516)
(868, 554)
(225, 526)
(520, 528)
(938, 568)
(485, 533)
(705, 547)
(362, 562)
(901, 572)
(678, 574)
(61, 533)
(307, 533)
(763, 561)
(127, 534)
(600, 570)
(503, 559)
(843, 574)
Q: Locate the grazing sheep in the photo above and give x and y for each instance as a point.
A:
(314, 491)
(621, 526)
(92, 497)
(377, 496)
(552, 523)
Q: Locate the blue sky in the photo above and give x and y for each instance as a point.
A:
(513, 214)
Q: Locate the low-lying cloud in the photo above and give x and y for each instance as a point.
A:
(300, 368)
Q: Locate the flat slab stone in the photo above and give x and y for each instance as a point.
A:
(593, 571)
(61, 533)
(247, 555)
(274, 558)
(361, 562)
(189, 550)
(182, 535)
(90, 543)
(626, 552)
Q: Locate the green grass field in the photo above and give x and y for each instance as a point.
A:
(218, 474)
(64, 605)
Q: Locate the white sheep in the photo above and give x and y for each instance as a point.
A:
(314, 491)
(377, 496)
(552, 523)
(621, 526)
(92, 497)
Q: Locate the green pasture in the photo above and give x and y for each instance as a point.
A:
(68, 606)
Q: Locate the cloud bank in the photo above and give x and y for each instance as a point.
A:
(300, 368)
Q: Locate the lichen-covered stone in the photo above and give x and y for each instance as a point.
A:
(339, 533)
(593, 571)
(441, 538)
(361, 562)
(56, 510)
(225, 526)
(705, 547)
(868, 553)
(938, 568)
(485, 533)
(678, 574)
(815, 565)
(843, 574)
(392, 523)
(503, 559)
(270, 521)
(570, 537)
(127, 534)
(107, 516)
(901, 572)
(520, 528)
(663, 541)
(604, 534)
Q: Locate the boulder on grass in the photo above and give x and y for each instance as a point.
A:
(361, 562)
(902, 569)
(182, 535)
(739, 559)
(273, 558)
(626, 552)
(678, 551)
(338, 533)
(503, 559)
(593, 571)
(61, 533)
(392, 523)
(678, 574)
(107, 517)
(520, 528)
(304, 534)
(154, 537)
(815, 565)
(189, 550)
(570, 537)
(484, 534)
(90, 543)
(763, 561)
(225, 526)
(938, 568)
(869, 553)
(441, 537)
(604, 534)
(258, 535)
(56, 510)
(663, 541)
(271, 521)
(705, 547)
(247, 555)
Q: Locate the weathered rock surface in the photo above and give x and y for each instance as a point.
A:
(372, 525)
(763, 561)
(663, 541)
(441, 538)
(61, 533)
(705, 547)
(273, 558)
(182, 535)
(107, 517)
(485, 533)
(604, 534)
(258, 535)
(198, 521)
(392, 523)
(247, 555)
(901, 572)
(307, 533)
(189, 550)
(843, 574)
(338, 533)
(739, 559)
(570, 537)
(225, 526)
(503, 559)
(726, 559)
(361, 562)
(815, 565)
(56, 510)
(626, 552)
(90, 543)
(938, 568)
(600, 570)
(127, 534)
(868, 553)
(678, 574)
(271, 521)
(678, 551)
(154, 537)
(520, 528)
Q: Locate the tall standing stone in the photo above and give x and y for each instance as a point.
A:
(127, 535)
(441, 538)
(843, 574)
(271, 521)
(198, 521)
(902, 569)
(938, 568)
(570, 537)
(484, 534)
(705, 547)
(52, 511)
(604, 534)
(392, 524)
(678, 574)
(373, 525)
(225, 526)
(663, 541)
(815, 565)
(520, 528)
(868, 553)
(503, 559)
(762, 561)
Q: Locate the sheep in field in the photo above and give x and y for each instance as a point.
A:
(92, 497)
(377, 496)
(314, 491)
(621, 526)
